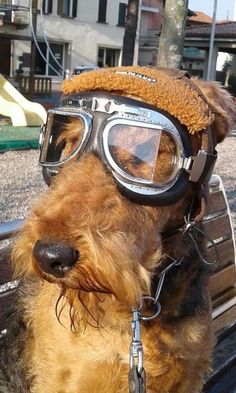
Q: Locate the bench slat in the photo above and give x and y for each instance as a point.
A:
(5, 265)
(218, 227)
(226, 255)
(224, 319)
(222, 280)
(223, 297)
(6, 300)
(216, 203)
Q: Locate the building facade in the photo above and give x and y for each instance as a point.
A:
(72, 33)
(78, 32)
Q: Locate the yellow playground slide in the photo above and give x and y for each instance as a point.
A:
(21, 111)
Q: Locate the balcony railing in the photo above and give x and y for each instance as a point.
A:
(42, 85)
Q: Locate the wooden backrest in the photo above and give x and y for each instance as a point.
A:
(7, 284)
(217, 225)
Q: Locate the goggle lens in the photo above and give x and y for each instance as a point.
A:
(147, 154)
(63, 137)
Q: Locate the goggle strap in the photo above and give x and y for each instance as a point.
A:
(208, 145)
(202, 166)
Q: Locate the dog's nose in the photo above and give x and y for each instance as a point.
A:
(54, 257)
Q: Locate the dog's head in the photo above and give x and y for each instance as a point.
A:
(119, 181)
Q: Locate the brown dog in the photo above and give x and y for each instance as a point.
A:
(104, 232)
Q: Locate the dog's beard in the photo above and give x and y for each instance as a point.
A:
(85, 280)
(83, 310)
(90, 292)
(112, 273)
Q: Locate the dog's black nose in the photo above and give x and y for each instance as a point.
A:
(54, 257)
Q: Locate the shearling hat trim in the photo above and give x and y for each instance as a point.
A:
(178, 96)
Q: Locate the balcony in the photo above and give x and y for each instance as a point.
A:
(14, 15)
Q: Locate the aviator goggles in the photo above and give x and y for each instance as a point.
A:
(147, 151)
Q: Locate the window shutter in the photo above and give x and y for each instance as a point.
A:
(47, 6)
(59, 7)
(122, 14)
(102, 11)
(74, 10)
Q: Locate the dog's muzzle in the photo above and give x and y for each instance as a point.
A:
(55, 258)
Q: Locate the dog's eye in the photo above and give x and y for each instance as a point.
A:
(144, 153)
(166, 160)
(70, 137)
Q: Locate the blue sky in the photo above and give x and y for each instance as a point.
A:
(224, 7)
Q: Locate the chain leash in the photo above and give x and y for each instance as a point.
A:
(137, 374)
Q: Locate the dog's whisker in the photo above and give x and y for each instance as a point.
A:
(72, 319)
(98, 297)
(88, 311)
(58, 314)
(92, 285)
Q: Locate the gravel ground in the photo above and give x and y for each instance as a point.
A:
(21, 183)
(21, 179)
(226, 168)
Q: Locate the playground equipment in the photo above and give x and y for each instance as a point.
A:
(21, 111)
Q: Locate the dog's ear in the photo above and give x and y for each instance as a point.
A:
(221, 104)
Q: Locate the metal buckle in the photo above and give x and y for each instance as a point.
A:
(103, 105)
(195, 165)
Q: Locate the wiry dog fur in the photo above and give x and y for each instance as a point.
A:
(73, 333)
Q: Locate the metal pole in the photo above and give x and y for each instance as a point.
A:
(136, 45)
(213, 27)
(33, 50)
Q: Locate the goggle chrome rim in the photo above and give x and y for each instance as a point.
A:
(127, 115)
(45, 134)
(123, 176)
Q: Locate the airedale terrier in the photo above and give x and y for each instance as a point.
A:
(113, 244)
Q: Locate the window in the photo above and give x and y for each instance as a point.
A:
(67, 8)
(42, 68)
(122, 14)
(108, 57)
(47, 6)
(102, 11)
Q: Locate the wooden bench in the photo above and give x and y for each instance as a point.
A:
(218, 225)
